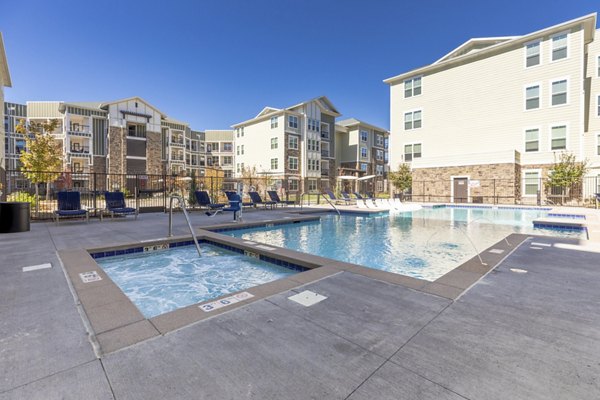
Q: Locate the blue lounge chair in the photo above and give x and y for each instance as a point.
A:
(231, 193)
(359, 197)
(346, 197)
(275, 197)
(69, 206)
(203, 200)
(235, 206)
(332, 197)
(115, 205)
(256, 199)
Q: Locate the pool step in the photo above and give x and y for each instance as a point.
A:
(560, 223)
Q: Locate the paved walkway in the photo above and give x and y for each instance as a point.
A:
(528, 330)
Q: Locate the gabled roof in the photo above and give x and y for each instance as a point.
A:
(323, 102)
(266, 111)
(163, 115)
(460, 55)
(94, 105)
(6, 81)
(346, 123)
(473, 45)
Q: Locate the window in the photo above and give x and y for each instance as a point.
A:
(242, 149)
(364, 152)
(532, 97)
(364, 136)
(134, 130)
(379, 140)
(242, 134)
(324, 167)
(412, 120)
(312, 185)
(559, 46)
(379, 155)
(531, 183)
(532, 54)
(379, 186)
(412, 151)
(293, 185)
(379, 170)
(598, 66)
(274, 163)
(293, 142)
(532, 140)
(313, 165)
(237, 168)
(598, 105)
(274, 143)
(227, 173)
(238, 150)
(559, 137)
(324, 130)
(227, 146)
(293, 121)
(237, 132)
(313, 125)
(227, 160)
(274, 122)
(598, 147)
(559, 92)
(364, 166)
(412, 87)
(212, 147)
(293, 163)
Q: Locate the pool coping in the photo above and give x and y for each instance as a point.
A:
(115, 322)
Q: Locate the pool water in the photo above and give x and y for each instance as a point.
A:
(162, 281)
(424, 244)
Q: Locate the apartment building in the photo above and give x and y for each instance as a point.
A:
(296, 144)
(500, 110)
(219, 145)
(362, 151)
(4, 82)
(128, 136)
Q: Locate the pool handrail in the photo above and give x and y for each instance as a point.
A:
(181, 202)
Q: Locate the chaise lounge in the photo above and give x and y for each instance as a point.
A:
(115, 205)
(69, 206)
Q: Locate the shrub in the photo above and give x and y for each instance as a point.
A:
(24, 197)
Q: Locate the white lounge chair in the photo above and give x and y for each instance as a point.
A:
(380, 203)
(361, 204)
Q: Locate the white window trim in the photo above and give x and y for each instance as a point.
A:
(597, 105)
(539, 172)
(539, 129)
(540, 96)
(413, 121)
(412, 78)
(452, 186)
(360, 152)
(360, 132)
(550, 43)
(556, 125)
(541, 42)
(297, 143)
(550, 82)
(297, 163)
(276, 119)
(597, 144)
(597, 65)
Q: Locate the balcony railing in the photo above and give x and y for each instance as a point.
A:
(176, 157)
(79, 130)
(324, 153)
(177, 142)
(79, 151)
(325, 135)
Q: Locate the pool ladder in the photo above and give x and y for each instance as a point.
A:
(326, 199)
(181, 202)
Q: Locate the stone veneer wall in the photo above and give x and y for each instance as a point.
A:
(154, 164)
(117, 149)
(498, 183)
(99, 166)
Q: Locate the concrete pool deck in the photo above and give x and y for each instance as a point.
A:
(513, 334)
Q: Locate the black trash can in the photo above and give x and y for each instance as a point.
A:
(14, 217)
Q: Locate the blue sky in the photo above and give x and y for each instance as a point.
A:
(214, 63)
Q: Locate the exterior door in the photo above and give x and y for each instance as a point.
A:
(461, 190)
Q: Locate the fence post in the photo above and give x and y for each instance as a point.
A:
(164, 184)
(95, 190)
(136, 191)
(495, 201)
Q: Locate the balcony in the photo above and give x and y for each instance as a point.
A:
(177, 142)
(324, 172)
(324, 153)
(176, 157)
(77, 150)
(79, 130)
(325, 135)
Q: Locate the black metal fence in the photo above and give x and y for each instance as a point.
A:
(148, 193)
(526, 191)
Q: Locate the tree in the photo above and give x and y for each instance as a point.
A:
(566, 173)
(213, 177)
(42, 160)
(402, 178)
(193, 188)
(250, 177)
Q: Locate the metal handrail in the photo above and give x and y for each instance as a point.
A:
(331, 204)
(187, 218)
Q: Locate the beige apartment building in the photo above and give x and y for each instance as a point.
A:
(295, 144)
(362, 151)
(499, 111)
(219, 146)
(4, 82)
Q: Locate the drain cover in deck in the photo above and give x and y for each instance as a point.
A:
(307, 298)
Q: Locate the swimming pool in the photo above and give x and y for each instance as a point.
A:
(424, 244)
(162, 281)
